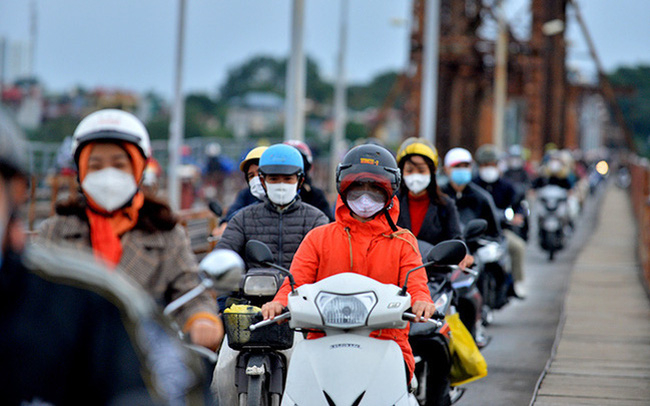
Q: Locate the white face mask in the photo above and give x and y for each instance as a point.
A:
(256, 188)
(554, 166)
(489, 174)
(110, 188)
(417, 182)
(364, 206)
(281, 193)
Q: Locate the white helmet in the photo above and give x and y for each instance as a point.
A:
(111, 124)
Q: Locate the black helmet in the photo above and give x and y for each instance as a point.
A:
(487, 154)
(13, 152)
(368, 163)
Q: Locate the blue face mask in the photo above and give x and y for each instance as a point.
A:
(461, 176)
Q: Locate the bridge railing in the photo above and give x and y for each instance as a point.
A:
(640, 196)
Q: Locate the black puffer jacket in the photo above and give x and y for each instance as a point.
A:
(282, 231)
(475, 203)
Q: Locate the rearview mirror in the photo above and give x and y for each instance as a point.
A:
(224, 268)
(450, 252)
(258, 252)
(220, 270)
(215, 208)
(474, 229)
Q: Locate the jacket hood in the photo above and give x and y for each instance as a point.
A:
(378, 225)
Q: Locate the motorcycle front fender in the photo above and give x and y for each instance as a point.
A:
(350, 369)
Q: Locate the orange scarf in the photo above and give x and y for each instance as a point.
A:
(107, 228)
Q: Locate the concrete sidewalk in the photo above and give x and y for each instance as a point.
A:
(602, 353)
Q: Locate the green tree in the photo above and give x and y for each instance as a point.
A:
(260, 73)
(55, 130)
(267, 74)
(372, 94)
(635, 105)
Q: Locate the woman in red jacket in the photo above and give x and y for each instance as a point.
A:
(364, 239)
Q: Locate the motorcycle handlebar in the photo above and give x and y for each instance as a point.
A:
(283, 316)
(411, 317)
(470, 271)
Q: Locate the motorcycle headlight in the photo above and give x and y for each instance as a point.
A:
(345, 311)
(260, 285)
(509, 214)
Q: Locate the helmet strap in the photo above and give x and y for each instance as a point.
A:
(391, 223)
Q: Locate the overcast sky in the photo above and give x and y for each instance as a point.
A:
(130, 43)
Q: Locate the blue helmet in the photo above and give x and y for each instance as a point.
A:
(281, 159)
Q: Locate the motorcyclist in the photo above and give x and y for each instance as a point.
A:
(553, 172)
(308, 192)
(432, 217)
(126, 229)
(425, 210)
(505, 197)
(72, 333)
(283, 220)
(516, 170)
(471, 200)
(364, 239)
(254, 193)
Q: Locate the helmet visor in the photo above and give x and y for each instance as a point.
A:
(280, 169)
(385, 178)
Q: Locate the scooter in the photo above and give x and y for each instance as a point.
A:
(256, 359)
(430, 344)
(507, 220)
(346, 366)
(465, 284)
(495, 279)
(553, 218)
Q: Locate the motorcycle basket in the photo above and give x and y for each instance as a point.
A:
(274, 336)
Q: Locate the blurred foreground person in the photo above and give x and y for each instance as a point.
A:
(71, 333)
(126, 229)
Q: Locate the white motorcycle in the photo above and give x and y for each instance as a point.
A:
(346, 366)
(554, 218)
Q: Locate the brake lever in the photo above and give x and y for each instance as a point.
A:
(263, 323)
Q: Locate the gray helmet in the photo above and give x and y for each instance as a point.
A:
(487, 154)
(13, 151)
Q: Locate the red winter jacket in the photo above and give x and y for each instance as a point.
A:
(371, 249)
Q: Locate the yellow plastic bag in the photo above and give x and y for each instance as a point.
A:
(467, 362)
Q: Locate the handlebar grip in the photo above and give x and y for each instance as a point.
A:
(263, 323)
(411, 317)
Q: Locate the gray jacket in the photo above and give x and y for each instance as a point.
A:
(282, 231)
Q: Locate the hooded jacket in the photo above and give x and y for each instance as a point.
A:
(371, 249)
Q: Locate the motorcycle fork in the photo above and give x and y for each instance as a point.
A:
(270, 363)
